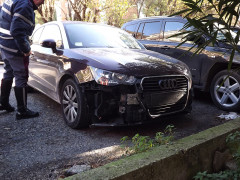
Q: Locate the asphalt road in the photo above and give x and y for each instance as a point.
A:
(37, 148)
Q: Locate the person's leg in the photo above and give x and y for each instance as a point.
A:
(6, 86)
(20, 72)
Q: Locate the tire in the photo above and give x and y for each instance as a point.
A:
(74, 107)
(227, 96)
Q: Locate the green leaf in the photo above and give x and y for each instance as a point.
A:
(237, 37)
(231, 59)
(180, 12)
(194, 7)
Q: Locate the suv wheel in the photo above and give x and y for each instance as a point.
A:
(226, 95)
(73, 105)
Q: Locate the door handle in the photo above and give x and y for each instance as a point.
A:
(165, 47)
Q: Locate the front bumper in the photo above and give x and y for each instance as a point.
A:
(148, 99)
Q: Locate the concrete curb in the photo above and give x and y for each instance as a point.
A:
(180, 161)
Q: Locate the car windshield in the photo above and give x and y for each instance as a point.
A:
(98, 36)
(221, 37)
(220, 34)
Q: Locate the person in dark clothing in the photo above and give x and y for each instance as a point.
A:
(17, 22)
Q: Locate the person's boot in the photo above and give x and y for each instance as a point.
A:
(6, 86)
(22, 111)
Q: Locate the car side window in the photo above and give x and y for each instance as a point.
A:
(172, 28)
(130, 28)
(52, 32)
(139, 31)
(36, 36)
(151, 31)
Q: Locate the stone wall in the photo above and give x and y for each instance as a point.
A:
(179, 161)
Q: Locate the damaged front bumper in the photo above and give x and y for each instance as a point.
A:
(147, 100)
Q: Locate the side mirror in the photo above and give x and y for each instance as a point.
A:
(201, 41)
(198, 41)
(49, 43)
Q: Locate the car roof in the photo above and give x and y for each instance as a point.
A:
(153, 18)
(75, 22)
(62, 23)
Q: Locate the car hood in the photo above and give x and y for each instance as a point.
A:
(126, 61)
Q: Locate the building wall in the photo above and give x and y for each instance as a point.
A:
(131, 13)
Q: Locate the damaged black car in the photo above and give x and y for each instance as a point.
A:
(101, 75)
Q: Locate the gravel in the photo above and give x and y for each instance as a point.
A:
(41, 148)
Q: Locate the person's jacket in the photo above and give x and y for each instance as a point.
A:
(17, 22)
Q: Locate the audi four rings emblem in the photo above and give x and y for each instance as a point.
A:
(167, 84)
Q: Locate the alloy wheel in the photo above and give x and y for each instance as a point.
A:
(70, 104)
(227, 91)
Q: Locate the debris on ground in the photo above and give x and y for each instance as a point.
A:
(77, 169)
(230, 116)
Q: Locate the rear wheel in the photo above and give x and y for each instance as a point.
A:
(73, 105)
(226, 95)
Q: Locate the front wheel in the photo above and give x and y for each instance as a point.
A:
(225, 90)
(74, 108)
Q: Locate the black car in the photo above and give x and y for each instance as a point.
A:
(208, 69)
(102, 75)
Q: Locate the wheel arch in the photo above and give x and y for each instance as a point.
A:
(74, 104)
(228, 99)
(217, 67)
(62, 80)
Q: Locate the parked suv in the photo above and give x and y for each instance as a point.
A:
(208, 69)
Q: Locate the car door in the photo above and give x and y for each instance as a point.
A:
(165, 45)
(43, 67)
(194, 62)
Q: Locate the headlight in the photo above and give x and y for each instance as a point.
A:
(108, 78)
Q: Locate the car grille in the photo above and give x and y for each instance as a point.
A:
(151, 84)
(164, 95)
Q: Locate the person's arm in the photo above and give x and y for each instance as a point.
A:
(22, 23)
